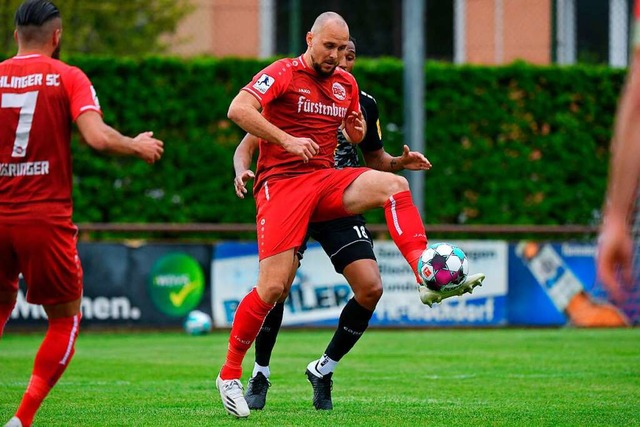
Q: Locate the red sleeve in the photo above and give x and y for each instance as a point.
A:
(82, 95)
(637, 10)
(355, 97)
(271, 82)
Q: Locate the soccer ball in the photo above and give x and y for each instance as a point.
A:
(197, 323)
(443, 267)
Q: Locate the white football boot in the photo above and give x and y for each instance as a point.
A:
(232, 395)
(429, 297)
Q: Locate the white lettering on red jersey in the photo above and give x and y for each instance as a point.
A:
(305, 105)
(39, 99)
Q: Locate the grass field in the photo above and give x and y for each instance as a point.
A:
(501, 377)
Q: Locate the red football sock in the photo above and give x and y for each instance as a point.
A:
(52, 359)
(406, 228)
(5, 313)
(247, 322)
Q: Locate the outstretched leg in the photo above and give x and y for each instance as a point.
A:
(374, 189)
(406, 228)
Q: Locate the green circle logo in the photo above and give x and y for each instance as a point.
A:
(176, 284)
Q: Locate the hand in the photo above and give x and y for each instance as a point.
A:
(240, 182)
(615, 252)
(148, 148)
(355, 127)
(302, 147)
(413, 160)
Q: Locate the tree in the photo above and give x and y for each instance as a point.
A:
(116, 27)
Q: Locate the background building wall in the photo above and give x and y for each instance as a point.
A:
(495, 31)
(527, 31)
(480, 31)
(219, 28)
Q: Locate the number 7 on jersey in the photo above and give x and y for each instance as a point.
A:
(26, 102)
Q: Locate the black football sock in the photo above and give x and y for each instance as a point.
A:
(266, 339)
(354, 320)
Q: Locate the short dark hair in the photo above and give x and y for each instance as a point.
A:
(36, 13)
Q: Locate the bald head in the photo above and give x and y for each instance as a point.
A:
(326, 43)
(328, 18)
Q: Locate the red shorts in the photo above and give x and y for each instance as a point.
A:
(286, 206)
(45, 253)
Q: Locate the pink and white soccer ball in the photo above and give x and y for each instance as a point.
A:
(443, 266)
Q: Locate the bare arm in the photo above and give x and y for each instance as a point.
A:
(383, 161)
(242, 159)
(245, 112)
(102, 137)
(625, 160)
(615, 249)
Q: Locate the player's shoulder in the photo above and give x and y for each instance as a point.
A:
(365, 95)
(368, 104)
(63, 66)
(37, 63)
(281, 69)
(69, 72)
(344, 74)
(288, 64)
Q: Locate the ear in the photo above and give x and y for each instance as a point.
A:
(57, 35)
(309, 38)
(15, 35)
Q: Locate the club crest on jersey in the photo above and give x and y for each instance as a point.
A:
(263, 83)
(339, 91)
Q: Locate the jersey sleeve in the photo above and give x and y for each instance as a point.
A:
(82, 95)
(373, 138)
(271, 82)
(355, 96)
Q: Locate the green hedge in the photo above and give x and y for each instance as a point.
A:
(518, 144)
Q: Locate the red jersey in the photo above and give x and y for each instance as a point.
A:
(304, 104)
(39, 99)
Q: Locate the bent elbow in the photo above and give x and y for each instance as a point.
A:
(234, 113)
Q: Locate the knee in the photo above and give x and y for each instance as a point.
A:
(396, 184)
(369, 295)
(272, 292)
(284, 294)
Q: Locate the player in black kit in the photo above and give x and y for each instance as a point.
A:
(348, 244)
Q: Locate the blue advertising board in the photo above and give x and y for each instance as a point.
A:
(553, 284)
(318, 293)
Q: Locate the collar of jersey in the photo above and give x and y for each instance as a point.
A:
(33, 55)
(301, 58)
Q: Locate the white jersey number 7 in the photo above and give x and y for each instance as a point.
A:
(26, 102)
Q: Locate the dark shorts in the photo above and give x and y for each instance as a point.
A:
(344, 240)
